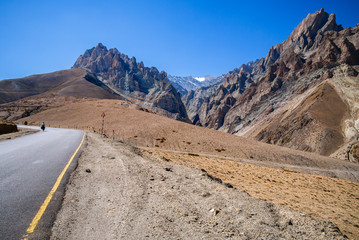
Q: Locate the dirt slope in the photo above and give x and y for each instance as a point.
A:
(319, 117)
(126, 196)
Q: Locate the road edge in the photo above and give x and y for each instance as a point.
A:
(59, 188)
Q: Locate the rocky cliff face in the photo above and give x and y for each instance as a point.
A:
(254, 94)
(197, 102)
(134, 81)
(193, 101)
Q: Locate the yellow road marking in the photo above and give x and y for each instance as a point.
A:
(43, 207)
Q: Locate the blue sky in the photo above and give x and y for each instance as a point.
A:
(180, 37)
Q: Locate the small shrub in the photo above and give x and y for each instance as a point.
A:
(161, 139)
(157, 145)
(220, 149)
(250, 156)
(188, 143)
(287, 170)
(25, 123)
(166, 159)
(193, 154)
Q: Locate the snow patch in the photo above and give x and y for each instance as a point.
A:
(201, 79)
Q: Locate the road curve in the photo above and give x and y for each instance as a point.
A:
(29, 167)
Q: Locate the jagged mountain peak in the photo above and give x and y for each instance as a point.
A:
(252, 94)
(303, 36)
(133, 80)
(100, 45)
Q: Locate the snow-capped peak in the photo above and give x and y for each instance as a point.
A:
(201, 79)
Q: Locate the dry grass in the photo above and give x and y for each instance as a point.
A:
(321, 197)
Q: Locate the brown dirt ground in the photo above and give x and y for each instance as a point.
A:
(128, 196)
(321, 197)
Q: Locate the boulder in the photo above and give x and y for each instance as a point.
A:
(7, 127)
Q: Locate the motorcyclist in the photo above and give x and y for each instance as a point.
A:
(43, 126)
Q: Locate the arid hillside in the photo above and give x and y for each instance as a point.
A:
(26, 96)
(139, 127)
(72, 82)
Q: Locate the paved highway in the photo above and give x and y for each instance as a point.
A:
(29, 168)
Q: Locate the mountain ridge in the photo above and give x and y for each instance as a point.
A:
(252, 92)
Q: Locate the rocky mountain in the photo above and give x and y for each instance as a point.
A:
(194, 100)
(98, 73)
(287, 97)
(186, 84)
(132, 80)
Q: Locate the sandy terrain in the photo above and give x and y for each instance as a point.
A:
(116, 193)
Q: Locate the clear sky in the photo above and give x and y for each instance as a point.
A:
(180, 37)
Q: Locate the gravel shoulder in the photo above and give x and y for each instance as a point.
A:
(118, 193)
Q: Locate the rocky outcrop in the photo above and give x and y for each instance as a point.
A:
(135, 82)
(254, 94)
(7, 127)
(193, 101)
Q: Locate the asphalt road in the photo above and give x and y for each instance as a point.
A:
(29, 167)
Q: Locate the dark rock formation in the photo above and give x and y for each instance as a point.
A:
(134, 81)
(7, 127)
(193, 101)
